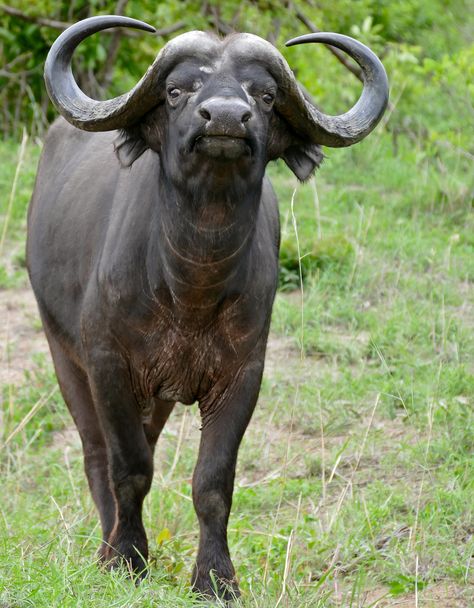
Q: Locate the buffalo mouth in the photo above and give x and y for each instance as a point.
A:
(222, 147)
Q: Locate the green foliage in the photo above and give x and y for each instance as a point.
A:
(335, 250)
(405, 34)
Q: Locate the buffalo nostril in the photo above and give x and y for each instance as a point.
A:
(247, 116)
(204, 113)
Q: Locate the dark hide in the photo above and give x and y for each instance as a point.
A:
(153, 254)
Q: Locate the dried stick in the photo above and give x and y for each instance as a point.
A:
(62, 25)
(336, 52)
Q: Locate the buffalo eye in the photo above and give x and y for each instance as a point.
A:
(268, 98)
(174, 93)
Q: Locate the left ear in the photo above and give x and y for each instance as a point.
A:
(301, 156)
(303, 159)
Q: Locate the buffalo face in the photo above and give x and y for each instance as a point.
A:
(219, 117)
(213, 123)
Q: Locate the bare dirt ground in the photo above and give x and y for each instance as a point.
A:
(21, 334)
(442, 595)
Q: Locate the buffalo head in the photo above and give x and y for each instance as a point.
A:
(217, 100)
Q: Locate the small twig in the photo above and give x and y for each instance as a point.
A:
(272, 536)
(40, 118)
(317, 208)
(63, 25)
(287, 568)
(338, 460)
(71, 477)
(212, 13)
(295, 227)
(275, 474)
(18, 75)
(221, 27)
(379, 545)
(414, 529)
(37, 406)
(416, 581)
(357, 464)
(14, 12)
(273, 34)
(21, 157)
(323, 448)
(384, 363)
(171, 29)
(340, 56)
(18, 59)
(105, 74)
(178, 446)
(461, 151)
(285, 465)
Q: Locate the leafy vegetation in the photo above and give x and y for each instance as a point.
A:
(419, 41)
(355, 478)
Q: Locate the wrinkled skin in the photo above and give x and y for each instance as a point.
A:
(153, 254)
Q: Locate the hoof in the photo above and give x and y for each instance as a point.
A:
(124, 555)
(215, 588)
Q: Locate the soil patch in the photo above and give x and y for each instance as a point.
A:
(21, 334)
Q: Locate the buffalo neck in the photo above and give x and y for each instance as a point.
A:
(205, 235)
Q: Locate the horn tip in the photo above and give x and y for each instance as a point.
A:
(141, 25)
(314, 37)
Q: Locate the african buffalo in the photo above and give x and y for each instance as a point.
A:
(153, 253)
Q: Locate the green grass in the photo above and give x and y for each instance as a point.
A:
(355, 477)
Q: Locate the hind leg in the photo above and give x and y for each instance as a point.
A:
(76, 392)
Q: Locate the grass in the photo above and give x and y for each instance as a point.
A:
(355, 483)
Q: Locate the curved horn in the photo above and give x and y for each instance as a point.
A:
(70, 101)
(349, 128)
(125, 110)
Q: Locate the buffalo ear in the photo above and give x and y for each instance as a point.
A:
(303, 159)
(302, 156)
(130, 146)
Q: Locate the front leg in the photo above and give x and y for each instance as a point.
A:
(129, 456)
(224, 424)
